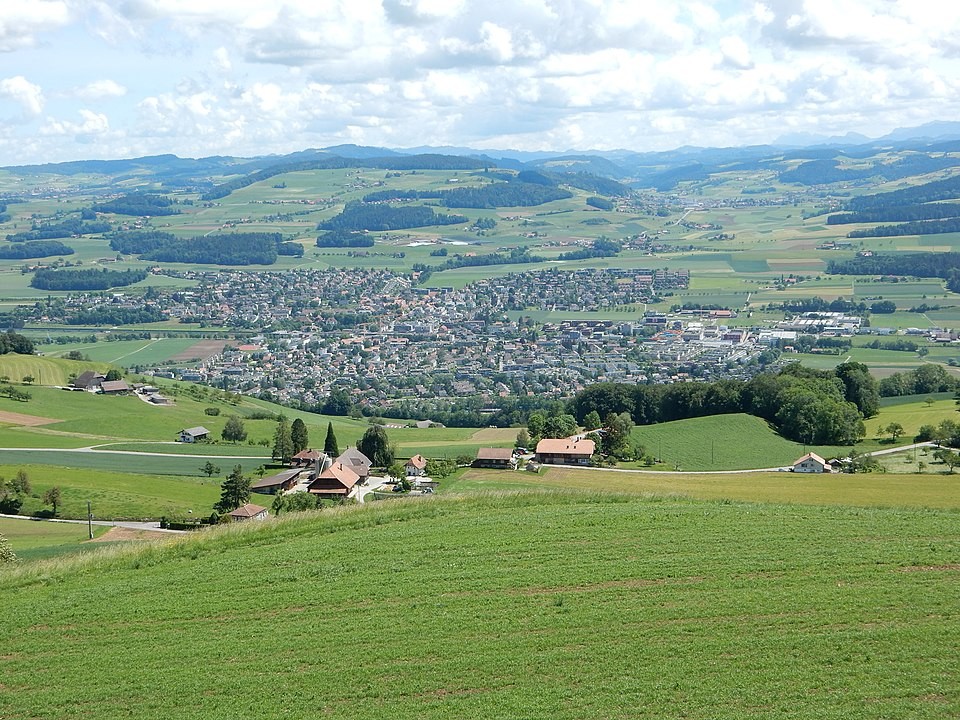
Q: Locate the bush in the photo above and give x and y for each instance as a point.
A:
(211, 411)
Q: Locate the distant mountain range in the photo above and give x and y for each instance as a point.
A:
(662, 170)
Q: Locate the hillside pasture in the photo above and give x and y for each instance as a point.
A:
(37, 540)
(570, 606)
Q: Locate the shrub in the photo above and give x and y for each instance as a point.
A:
(211, 411)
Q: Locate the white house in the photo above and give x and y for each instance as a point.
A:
(811, 463)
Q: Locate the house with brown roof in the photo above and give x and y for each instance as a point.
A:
(565, 451)
(335, 482)
(249, 512)
(496, 458)
(416, 466)
(356, 461)
(279, 483)
(306, 458)
(194, 434)
(114, 387)
(812, 463)
(89, 380)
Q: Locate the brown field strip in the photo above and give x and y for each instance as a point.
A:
(201, 350)
(13, 418)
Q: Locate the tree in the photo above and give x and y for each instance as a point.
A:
(27, 379)
(52, 497)
(234, 492)
(338, 403)
(591, 420)
(330, 445)
(6, 552)
(376, 445)
(948, 458)
(895, 430)
(523, 439)
(299, 436)
(859, 387)
(616, 440)
(234, 431)
(295, 502)
(21, 483)
(559, 426)
(113, 374)
(282, 443)
(535, 424)
(209, 469)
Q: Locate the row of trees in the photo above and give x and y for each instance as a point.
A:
(381, 217)
(34, 249)
(85, 279)
(822, 407)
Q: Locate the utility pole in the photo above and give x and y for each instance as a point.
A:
(89, 521)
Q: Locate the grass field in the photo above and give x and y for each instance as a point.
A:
(722, 442)
(125, 353)
(117, 494)
(38, 540)
(556, 606)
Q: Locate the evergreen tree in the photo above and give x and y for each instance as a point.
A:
(234, 492)
(234, 431)
(282, 443)
(330, 446)
(299, 436)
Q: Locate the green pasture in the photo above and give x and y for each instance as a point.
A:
(912, 413)
(722, 442)
(572, 605)
(133, 464)
(37, 540)
(43, 370)
(116, 494)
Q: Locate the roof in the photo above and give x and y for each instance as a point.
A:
(310, 454)
(337, 478)
(494, 454)
(114, 386)
(810, 456)
(353, 458)
(276, 480)
(194, 431)
(566, 446)
(418, 461)
(87, 378)
(248, 511)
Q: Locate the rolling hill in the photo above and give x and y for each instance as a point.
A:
(527, 605)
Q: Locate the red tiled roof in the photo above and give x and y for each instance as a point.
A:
(248, 511)
(418, 461)
(565, 446)
(494, 454)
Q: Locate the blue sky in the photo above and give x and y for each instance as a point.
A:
(119, 78)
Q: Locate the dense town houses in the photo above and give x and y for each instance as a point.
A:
(302, 335)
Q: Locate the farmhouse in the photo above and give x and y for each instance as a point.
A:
(306, 458)
(565, 451)
(249, 512)
(88, 380)
(356, 461)
(416, 466)
(811, 463)
(193, 434)
(114, 387)
(496, 458)
(279, 483)
(337, 481)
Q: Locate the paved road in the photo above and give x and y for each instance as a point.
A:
(153, 526)
(96, 449)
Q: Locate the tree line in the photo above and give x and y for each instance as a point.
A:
(86, 279)
(67, 228)
(919, 227)
(511, 193)
(256, 248)
(805, 405)
(34, 249)
(897, 213)
(915, 264)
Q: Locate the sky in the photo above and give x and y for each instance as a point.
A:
(85, 79)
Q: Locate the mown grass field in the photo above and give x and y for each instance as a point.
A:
(38, 540)
(122, 493)
(535, 606)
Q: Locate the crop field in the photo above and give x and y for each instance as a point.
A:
(44, 371)
(125, 353)
(571, 605)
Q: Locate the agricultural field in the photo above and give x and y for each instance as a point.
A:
(655, 606)
(126, 353)
(38, 540)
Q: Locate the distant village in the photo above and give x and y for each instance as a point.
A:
(376, 336)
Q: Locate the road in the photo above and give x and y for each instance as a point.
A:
(151, 526)
(96, 449)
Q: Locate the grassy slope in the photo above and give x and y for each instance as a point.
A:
(568, 606)
(40, 540)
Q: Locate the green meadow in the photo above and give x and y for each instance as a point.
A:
(569, 605)
(39, 540)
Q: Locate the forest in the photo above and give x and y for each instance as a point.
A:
(138, 205)
(114, 315)
(515, 192)
(379, 217)
(344, 239)
(86, 279)
(67, 228)
(34, 249)
(11, 342)
(602, 247)
(919, 227)
(898, 213)
(821, 407)
(939, 265)
(227, 249)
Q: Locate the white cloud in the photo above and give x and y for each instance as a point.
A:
(93, 123)
(21, 20)
(20, 90)
(100, 89)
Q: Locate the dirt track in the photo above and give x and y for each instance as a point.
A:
(117, 534)
(13, 418)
